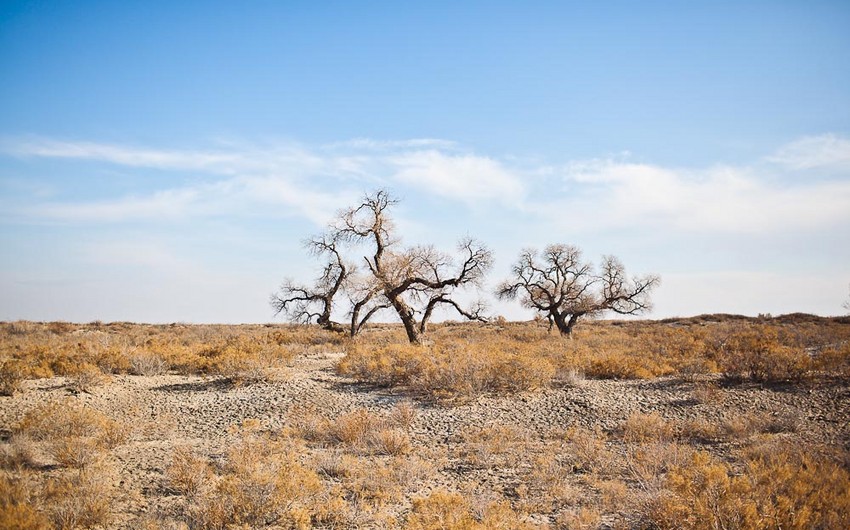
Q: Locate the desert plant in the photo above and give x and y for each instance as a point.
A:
(12, 373)
(85, 377)
(73, 435)
(17, 511)
(82, 499)
(758, 355)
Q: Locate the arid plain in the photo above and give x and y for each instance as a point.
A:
(707, 422)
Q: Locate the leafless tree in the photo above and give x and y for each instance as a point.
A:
(413, 281)
(307, 304)
(562, 286)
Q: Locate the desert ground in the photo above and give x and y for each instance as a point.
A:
(708, 422)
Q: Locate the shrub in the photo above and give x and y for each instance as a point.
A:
(261, 483)
(757, 355)
(16, 506)
(82, 499)
(85, 377)
(780, 489)
(188, 472)
(12, 374)
(585, 449)
(449, 369)
(443, 510)
(147, 364)
(391, 442)
(74, 436)
(639, 428)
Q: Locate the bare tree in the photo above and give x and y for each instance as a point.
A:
(412, 281)
(306, 304)
(562, 286)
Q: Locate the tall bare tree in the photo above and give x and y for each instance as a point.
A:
(306, 304)
(413, 281)
(562, 286)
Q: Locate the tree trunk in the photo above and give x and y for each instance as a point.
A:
(407, 318)
(566, 322)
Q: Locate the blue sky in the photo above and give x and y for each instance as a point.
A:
(162, 161)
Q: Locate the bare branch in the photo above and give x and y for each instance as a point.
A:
(559, 284)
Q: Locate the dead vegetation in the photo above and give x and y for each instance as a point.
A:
(724, 454)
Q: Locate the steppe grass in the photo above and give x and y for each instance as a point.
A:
(365, 468)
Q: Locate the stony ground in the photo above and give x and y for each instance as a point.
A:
(173, 410)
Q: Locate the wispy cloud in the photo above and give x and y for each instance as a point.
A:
(311, 182)
(725, 199)
(290, 179)
(468, 178)
(812, 152)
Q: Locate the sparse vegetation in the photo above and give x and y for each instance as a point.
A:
(691, 423)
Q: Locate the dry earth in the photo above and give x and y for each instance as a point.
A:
(168, 411)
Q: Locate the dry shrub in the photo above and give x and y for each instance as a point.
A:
(354, 428)
(583, 518)
(640, 428)
(779, 489)
(392, 442)
(585, 449)
(373, 483)
(82, 499)
(188, 472)
(444, 510)
(147, 364)
(707, 393)
(251, 367)
(402, 415)
(745, 426)
(17, 454)
(261, 483)
(698, 431)
(757, 354)
(359, 430)
(73, 435)
(547, 485)
(449, 369)
(17, 509)
(492, 446)
(617, 366)
(834, 360)
(336, 464)
(307, 423)
(647, 464)
(571, 377)
(12, 375)
(85, 377)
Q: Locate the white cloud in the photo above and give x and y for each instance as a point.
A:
(722, 199)
(824, 151)
(166, 204)
(287, 178)
(308, 182)
(464, 177)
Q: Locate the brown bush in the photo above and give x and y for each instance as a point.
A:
(73, 435)
(758, 355)
(784, 489)
(12, 374)
(17, 509)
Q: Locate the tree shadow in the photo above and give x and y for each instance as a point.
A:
(221, 384)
